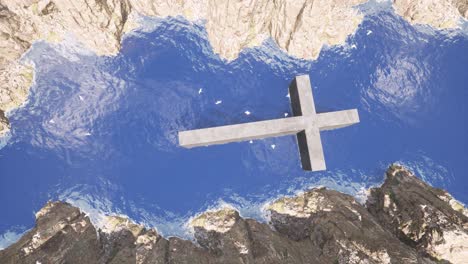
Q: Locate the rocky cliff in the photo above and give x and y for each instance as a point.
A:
(300, 28)
(423, 217)
(404, 221)
(436, 13)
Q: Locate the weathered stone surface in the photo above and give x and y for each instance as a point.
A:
(406, 221)
(338, 226)
(300, 28)
(426, 218)
(99, 25)
(440, 14)
(62, 235)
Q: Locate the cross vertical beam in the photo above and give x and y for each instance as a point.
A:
(300, 94)
(308, 140)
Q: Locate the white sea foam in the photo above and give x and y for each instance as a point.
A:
(11, 236)
(5, 139)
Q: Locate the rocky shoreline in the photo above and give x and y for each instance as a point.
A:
(300, 28)
(404, 221)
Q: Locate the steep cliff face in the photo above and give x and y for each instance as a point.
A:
(301, 28)
(340, 227)
(436, 13)
(406, 221)
(99, 25)
(426, 218)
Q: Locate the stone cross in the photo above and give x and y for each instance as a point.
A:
(306, 124)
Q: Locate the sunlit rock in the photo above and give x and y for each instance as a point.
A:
(317, 226)
(425, 217)
(219, 221)
(440, 14)
(300, 28)
(335, 222)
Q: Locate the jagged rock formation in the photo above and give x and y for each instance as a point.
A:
(406, 221)
(439, 14)
(423, 217)
(340, 227)
(301, 28)
(99, 25)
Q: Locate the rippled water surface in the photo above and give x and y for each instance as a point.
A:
(101, 132)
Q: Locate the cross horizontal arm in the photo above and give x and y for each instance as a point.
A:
(241, 132)
(338, 119)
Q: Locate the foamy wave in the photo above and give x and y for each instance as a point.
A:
(11, 236)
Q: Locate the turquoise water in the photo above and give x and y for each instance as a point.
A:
(102, 131)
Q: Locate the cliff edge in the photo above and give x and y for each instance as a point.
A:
(301, 27)
(404, 221)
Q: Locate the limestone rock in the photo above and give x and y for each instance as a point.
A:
(219, 221)
(62, 234)
(301, 28)
(114, 224)
(99, 25)
(406, 221)
(440, 14)
(426, 218)
(339, 226)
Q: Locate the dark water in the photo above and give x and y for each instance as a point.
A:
(102, 131)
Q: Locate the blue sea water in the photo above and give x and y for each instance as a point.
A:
(101, 132)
